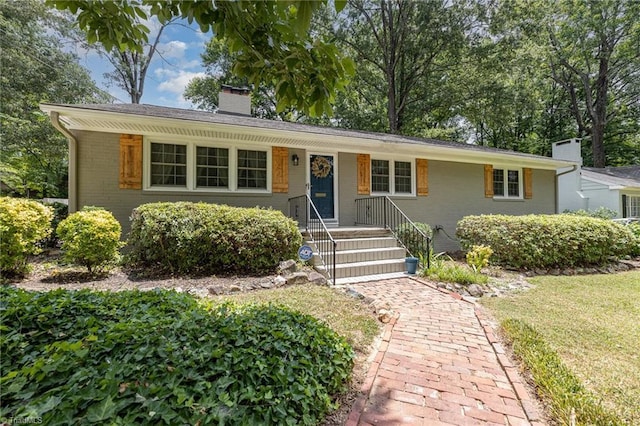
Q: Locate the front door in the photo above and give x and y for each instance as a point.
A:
(322, 175)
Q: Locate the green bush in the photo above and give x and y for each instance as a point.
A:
(201, 238)
(547, 241)
(635, 229)
(161, 357)
(478, 257)
(91, 238)
(60, 212)
(600, 212)
(23, 224)
(413, 241)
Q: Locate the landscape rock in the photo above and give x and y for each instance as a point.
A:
(235, 288)
(288, 267)
(475, 290)
(279, 281)
(266, 284)
(297, 278)
(317, 278)
(384, 316)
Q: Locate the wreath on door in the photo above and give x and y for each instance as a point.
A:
(321, 167)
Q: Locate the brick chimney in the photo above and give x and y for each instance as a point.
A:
(234, 100)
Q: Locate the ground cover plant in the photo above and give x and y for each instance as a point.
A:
(591, 322)
(162, 357)
(171, 237)
(547, 241)
(444, 269)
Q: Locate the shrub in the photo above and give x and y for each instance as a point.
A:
(443, 268)
(600, 212)
(91, 238)
(201, 238)
(23, 223)
(546, 241)
(635, 229)
(413, 241)
(96, 361)
(478, 257)
(60, 212)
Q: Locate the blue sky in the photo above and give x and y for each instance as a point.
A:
(175, 64)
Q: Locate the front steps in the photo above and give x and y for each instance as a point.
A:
(363, 254)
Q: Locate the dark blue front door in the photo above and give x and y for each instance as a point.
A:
(322, 175)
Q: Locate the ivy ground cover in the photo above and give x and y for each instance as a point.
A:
(162, 357)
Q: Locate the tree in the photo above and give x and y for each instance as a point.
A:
(595, 59)
(270, 38)
(35, 69)
(403, 47)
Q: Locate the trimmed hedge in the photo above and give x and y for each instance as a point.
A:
(201, 238)
(23, 224)
(547, 241)
(91, 238)
(164, 358)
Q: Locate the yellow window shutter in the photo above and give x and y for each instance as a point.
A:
(488, 180)
(364, 174)
(422, 176)
(280, 169)
(130, 161)
(528, 182)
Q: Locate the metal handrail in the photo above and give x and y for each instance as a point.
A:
(317, 230)
(382, 211)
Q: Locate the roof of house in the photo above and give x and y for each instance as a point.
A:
(159, 120)
(614, 177)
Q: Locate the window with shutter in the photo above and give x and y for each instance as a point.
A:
(130, 161)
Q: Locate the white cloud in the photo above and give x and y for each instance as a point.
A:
(176, 82)
(173, 49)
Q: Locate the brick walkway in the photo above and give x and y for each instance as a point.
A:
(439, 363)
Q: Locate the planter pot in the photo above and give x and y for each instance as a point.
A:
(412, 265)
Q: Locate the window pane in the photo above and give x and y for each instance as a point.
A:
(212, 167)
(168, 164)
(633, 206)
(402, 173)
(379, 176)
(498, 182)
(252, 169)
(513, 177)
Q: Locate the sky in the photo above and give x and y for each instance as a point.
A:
(176, 62)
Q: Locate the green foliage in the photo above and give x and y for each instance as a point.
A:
(478, 257)
(60, 212)
(443, 268)
(271, 41)
(635, 228)
(547, 241)
(555, 382)
(91, 238)
(600, 212)
(416, 242)
(201, 238)
(23, 223)
(161, 357)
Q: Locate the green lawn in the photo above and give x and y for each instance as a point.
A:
(593, 323)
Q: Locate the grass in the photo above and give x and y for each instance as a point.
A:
(342, 313)
(592, 322)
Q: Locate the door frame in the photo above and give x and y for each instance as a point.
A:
(336, 194)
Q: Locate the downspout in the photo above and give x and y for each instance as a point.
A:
(573, 169)
(73, 156)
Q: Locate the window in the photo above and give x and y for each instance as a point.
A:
(506, 183)
(379, 176)
(633, 206)
(252, 169)
(212, 167)
(392, 177)
(200, 166)
(403, 177)
(168, 164)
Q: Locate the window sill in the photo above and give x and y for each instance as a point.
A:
(501, 199)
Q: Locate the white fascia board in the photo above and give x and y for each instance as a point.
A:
(117, 122)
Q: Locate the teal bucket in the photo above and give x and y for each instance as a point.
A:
(412, 265)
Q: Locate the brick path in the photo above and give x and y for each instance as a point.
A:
(439, 363)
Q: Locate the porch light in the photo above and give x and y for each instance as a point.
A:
(295, 159)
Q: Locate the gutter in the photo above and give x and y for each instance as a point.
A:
(573, 169)
(54, 116)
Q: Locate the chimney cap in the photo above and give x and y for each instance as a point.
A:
(226, 88)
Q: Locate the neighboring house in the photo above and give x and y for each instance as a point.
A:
(587, 188)
(124, 155)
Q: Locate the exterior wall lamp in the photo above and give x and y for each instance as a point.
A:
(295, 159)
